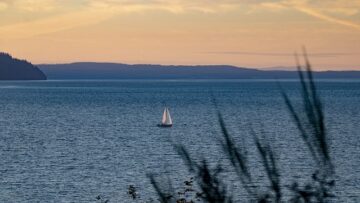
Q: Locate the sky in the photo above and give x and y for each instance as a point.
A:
(245, 33)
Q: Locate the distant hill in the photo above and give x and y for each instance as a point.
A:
(283, 68)
(15, 69)
(88, 70)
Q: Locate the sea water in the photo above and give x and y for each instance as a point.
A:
(70, 141)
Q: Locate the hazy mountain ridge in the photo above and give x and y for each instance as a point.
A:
(93, 70)
(15, 69)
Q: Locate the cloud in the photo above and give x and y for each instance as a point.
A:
(32, 5)
(341, 7)
(174, 6)
(328, 18)
(3, 6)
(54, 24)
(319, 10)
(92, 12)
(60, 15)
(273, 6)
(343, 11)
(36, 5)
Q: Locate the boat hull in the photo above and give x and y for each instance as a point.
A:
(164, 125)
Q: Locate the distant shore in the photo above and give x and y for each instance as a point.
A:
(92, 70)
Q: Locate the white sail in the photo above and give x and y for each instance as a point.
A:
(166, 119)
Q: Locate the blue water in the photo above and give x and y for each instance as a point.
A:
(69, 141)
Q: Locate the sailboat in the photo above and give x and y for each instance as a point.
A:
(166, 119)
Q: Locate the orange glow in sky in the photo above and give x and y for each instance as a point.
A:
(246, 33)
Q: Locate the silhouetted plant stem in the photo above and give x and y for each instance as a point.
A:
(310, 122)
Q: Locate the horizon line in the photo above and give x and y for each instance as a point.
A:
(269, 68)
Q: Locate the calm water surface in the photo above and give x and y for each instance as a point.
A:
(69, 141)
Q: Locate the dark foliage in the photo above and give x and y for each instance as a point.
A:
(100, 199)
(132, 192)
(15, 69)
